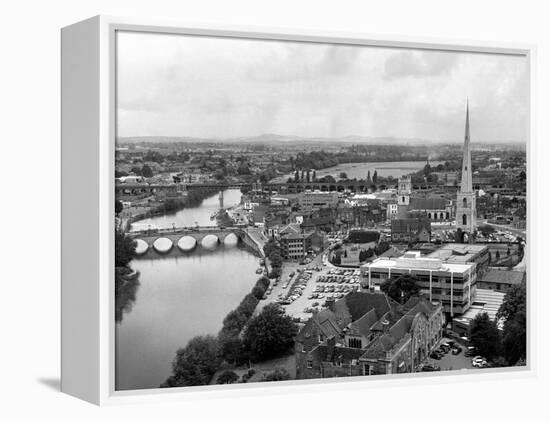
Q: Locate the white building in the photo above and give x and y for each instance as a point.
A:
(452, 284)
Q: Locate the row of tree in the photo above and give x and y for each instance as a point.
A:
(242, 339)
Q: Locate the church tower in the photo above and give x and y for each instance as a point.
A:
(404, 190)
(466, 197)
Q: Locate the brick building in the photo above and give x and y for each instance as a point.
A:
(411, 230)
(367, 333)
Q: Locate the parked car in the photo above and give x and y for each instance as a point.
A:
(429, 367)
(435, 355)
(479, 361)
(456, 350)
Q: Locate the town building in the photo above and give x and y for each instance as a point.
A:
(452, 284)
(501, 280)
(466, 197)
(311, 200)
(408, 230)
(486, 301)
(477, 254)
(367, 333)
(296, 246)
(436, 209)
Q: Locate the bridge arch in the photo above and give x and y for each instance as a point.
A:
(141, 247)
(187, 243)
(210, 241)
(163, 245)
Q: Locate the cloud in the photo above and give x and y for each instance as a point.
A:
(419, 63)
(216, 87)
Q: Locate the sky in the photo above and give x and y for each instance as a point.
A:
(216, 87)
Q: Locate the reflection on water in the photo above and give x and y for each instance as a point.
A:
(125, 294)
(180, 295)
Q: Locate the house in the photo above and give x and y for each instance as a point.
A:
(411, 230)
(501, 280)
(435, 208)
(296, 246)
(367, 333)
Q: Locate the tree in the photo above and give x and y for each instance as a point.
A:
(227, 377)
(514, 338)
(382, 247)
(258, 291)
(271, 246)
(513, 311)
(195, 364)
(118, 207)
(125, 249)
(402, 288)
(484, 335)
(277, 375)
(486, 229)
(343, 175)
(276, 259)
(497, 255)
(146, 171)
(375, 177)
(270, 334)
(368, 176)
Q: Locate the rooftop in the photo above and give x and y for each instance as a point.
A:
(458, 252)
(510, 277)
(485, 301)
(412, 260)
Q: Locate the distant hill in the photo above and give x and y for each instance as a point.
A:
(273, 138)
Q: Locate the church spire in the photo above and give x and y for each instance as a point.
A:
(466, 184)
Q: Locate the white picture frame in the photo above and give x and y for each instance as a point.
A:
(88, 136)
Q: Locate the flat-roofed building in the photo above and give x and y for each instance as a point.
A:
(451, 284)
(485, 301)
(316, 199)
(464, 253)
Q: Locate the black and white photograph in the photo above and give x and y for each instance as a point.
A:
(290, 210)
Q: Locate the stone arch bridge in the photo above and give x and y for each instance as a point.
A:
(188, 238)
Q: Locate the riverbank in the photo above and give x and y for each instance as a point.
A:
(193, 199)
(360, 170)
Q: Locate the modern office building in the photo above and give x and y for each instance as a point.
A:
(316, 199)
(449, 283)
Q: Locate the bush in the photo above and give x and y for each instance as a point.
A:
(227, 377)
(277, 375)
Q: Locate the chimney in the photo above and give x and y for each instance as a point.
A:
(385, 324)
(331, 343)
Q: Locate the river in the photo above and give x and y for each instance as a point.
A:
(199, 215)
(179, 296)
(360, 170)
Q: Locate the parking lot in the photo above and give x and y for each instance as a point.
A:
(452, 362)
(304, 289)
